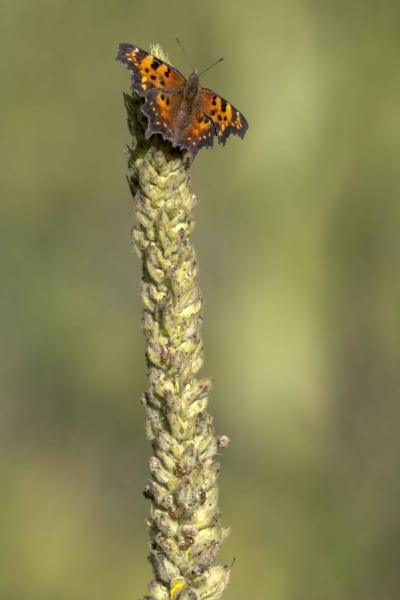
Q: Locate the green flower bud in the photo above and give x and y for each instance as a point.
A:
(187, 594)
(185, 494)
(188, 458)
(164, 522)
(216, 581)
(158, 494)
(164, 568)
(158, 591)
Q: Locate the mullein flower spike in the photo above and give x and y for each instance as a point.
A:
(184, 524)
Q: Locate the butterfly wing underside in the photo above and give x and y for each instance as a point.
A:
(225, 117)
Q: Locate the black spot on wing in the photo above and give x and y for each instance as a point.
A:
(239, 127)
(132, 57)
(156, 63)
(236, 124)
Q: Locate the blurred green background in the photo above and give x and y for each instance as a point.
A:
(298, 244)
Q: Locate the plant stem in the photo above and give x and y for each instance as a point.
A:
(184, 526)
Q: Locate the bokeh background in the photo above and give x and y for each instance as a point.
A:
(298, 244)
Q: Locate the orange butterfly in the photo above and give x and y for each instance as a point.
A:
(180, 109)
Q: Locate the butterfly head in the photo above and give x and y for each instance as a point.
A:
(194, 75)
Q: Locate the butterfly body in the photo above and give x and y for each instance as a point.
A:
(179, 109)
(191, 86)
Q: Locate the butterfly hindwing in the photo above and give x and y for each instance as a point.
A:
(149, 72)
(161, 110)
(199, 133)
(225, 117)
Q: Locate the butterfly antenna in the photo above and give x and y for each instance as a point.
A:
(176, 37)
(208, 68)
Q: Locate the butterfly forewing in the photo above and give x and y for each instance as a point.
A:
(226, 118)
(149, 72)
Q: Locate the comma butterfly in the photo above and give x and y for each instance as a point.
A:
(182, 111)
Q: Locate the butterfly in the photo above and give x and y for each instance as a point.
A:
(182, 111)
